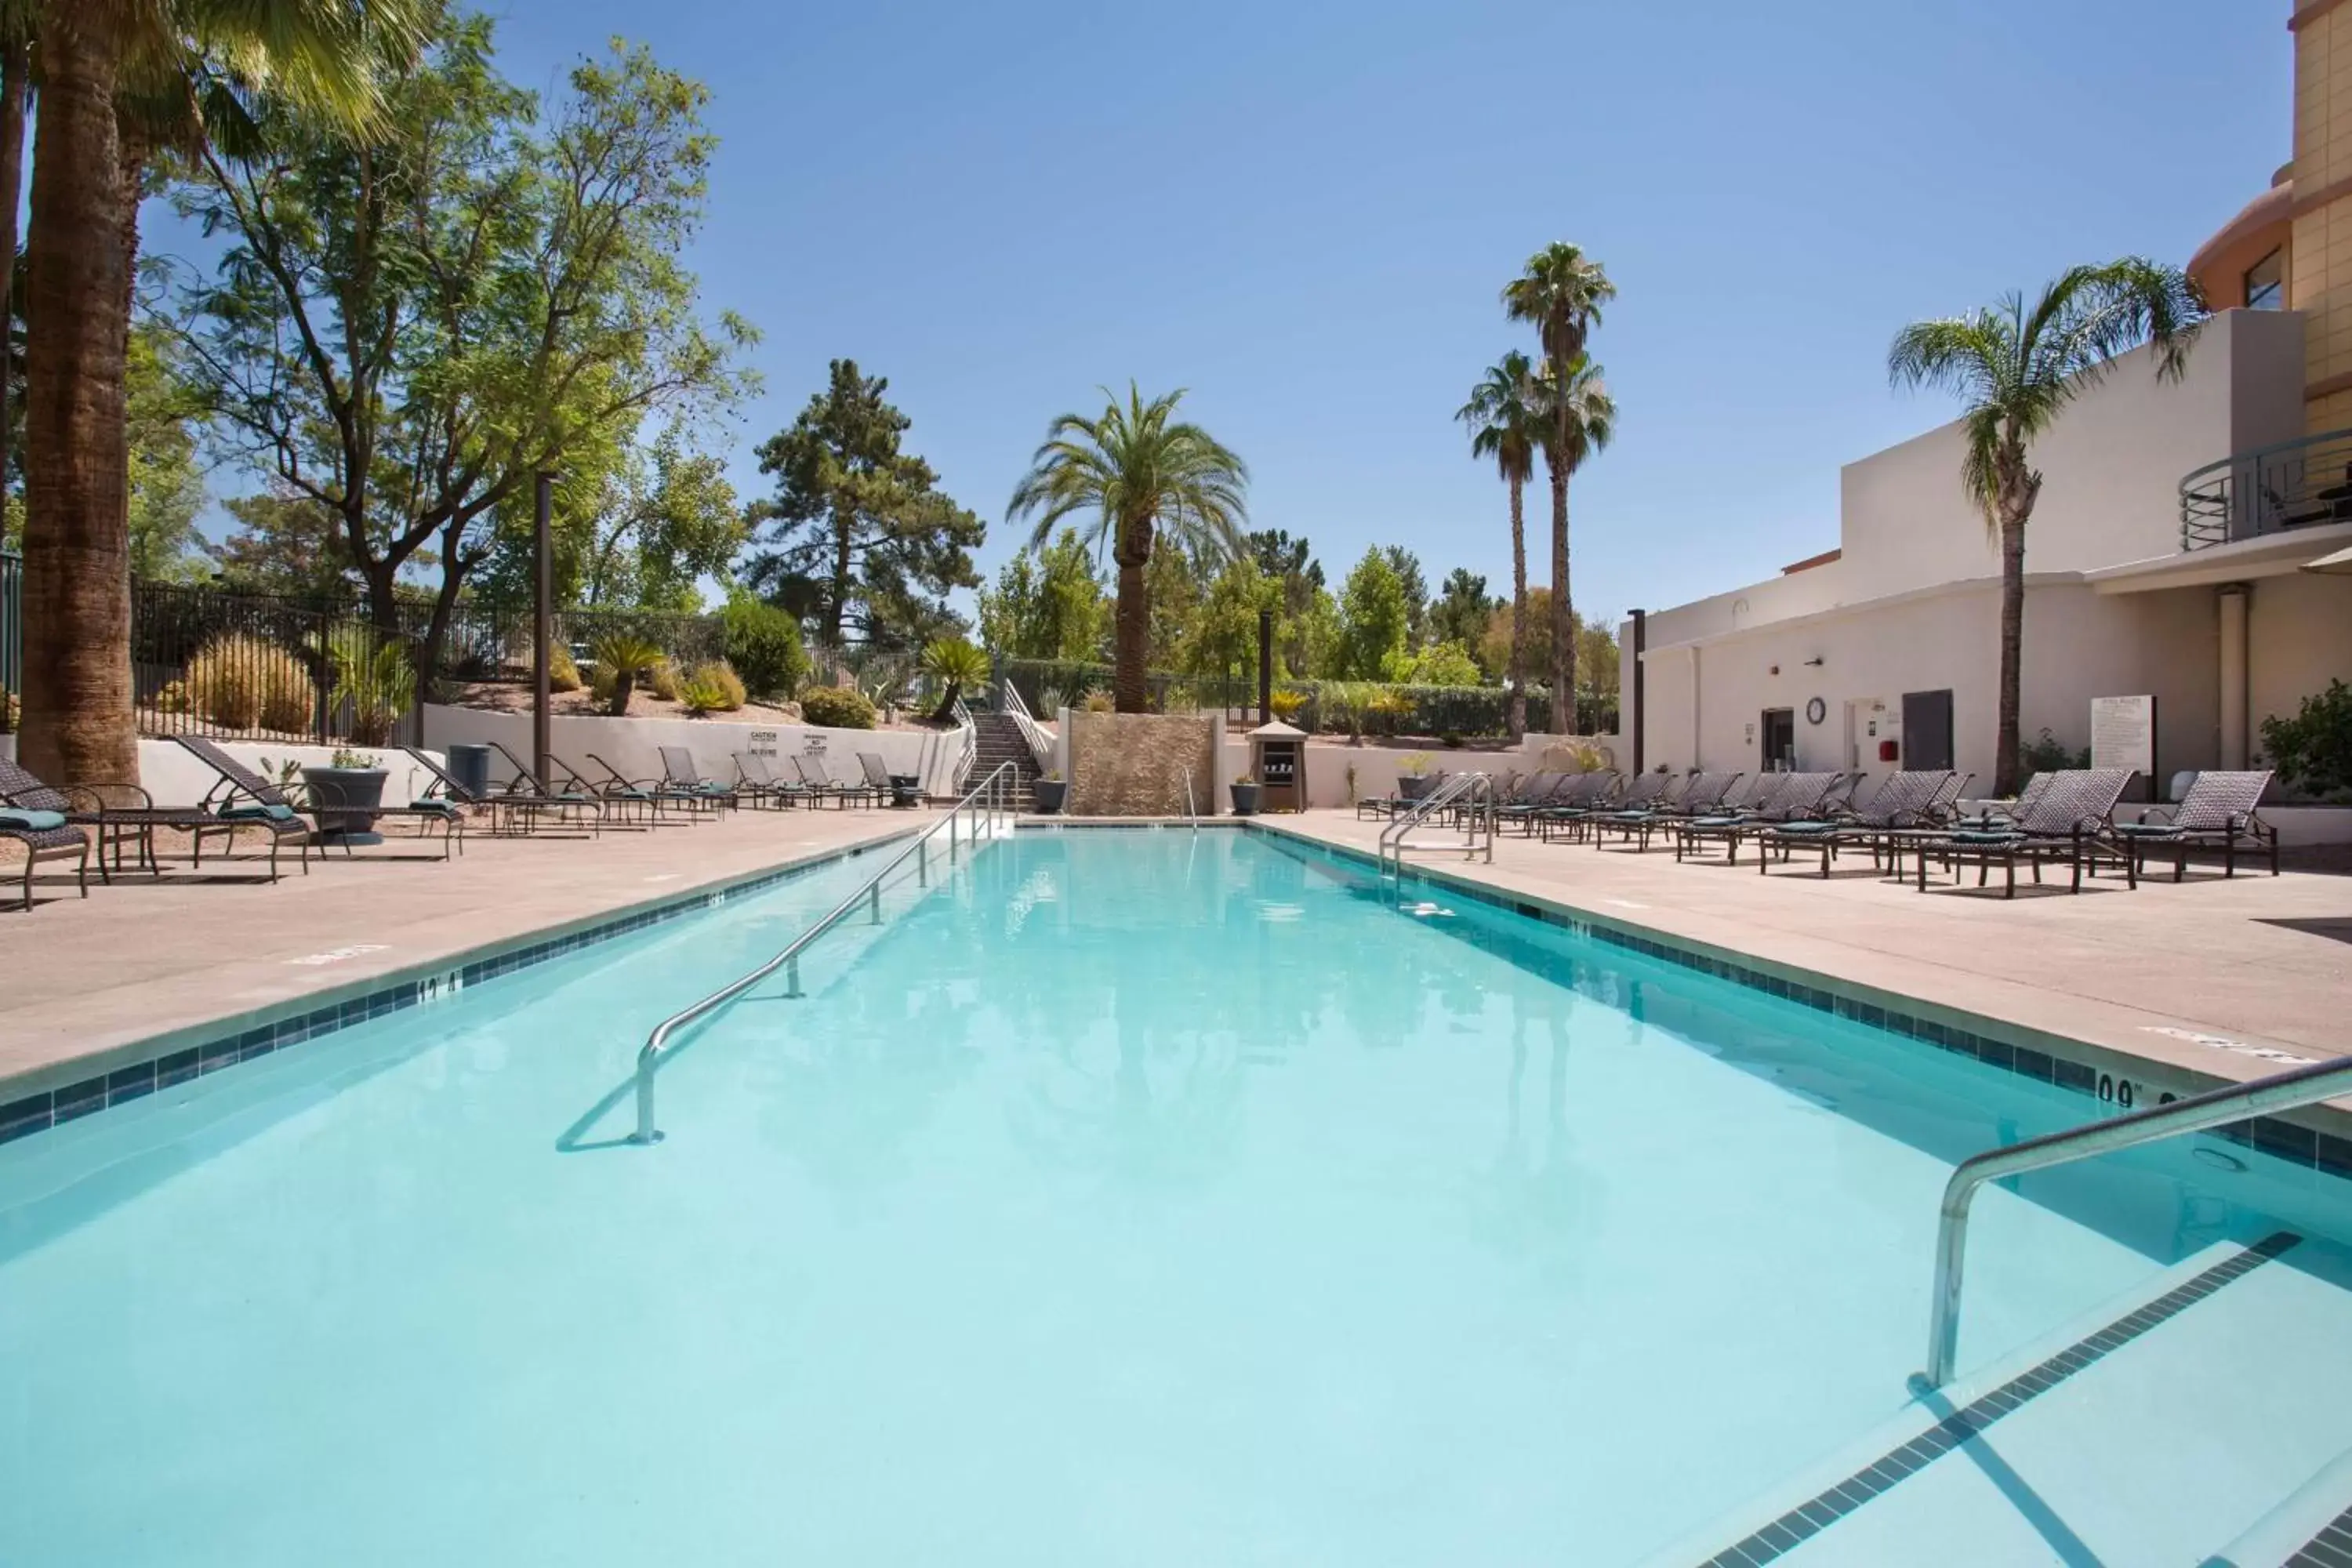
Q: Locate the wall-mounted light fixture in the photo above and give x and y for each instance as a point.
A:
(1814, 662)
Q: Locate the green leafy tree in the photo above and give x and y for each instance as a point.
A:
(1292, 563)
(1561, 293)
(1049, 607)
(1506, 425)
(1410, 577)
(1142, 473)
(1444, 664)
(285, 543)
(763, 644)
(859, 539)
(1373, 619)
(410, 324)
(1461, 611)
(1221, 641)
(167, 485)
(666, 520)
(117, 82)
(2015, 368)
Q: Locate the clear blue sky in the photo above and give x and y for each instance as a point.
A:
(1304, 214)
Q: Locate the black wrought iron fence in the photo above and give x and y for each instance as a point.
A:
(261, 667)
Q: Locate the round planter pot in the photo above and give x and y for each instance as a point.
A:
(1245, 799)
(345, 802)
(1049, 794)
(1413, 787)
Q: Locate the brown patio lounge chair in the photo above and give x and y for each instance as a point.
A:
(682, 775)
(1903, 800)
(2069, 820)
(511, 810)
(1700, 792)
(1526, 794)
(83, 808)
(245, 797)
(45, 835)
(2219, 807)
(1564, 817)
(1783, 797)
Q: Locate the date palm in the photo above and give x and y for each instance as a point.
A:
(1146, 478)
(1506, 424)
(1561, 293)
(2016, 369)
(119, 79)
(1573, 427)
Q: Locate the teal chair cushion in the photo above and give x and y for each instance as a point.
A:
(31, 821)
(258, 810)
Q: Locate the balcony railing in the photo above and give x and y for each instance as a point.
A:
(2269, 490)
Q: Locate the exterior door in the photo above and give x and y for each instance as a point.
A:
(1778, 733)
(1927, 731)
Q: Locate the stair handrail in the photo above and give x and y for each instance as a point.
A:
(2306, 1084)
(1450, 791)
(967, 735)
(1041, 744)
(991, 796)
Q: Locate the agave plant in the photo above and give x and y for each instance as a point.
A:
(952, 663)
(627, 657)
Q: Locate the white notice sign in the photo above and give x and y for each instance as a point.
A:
(2123, 733)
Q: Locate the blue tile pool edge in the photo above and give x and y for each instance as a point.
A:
(200, 1049)
(2030, 1053)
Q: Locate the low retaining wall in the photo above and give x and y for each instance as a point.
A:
(173, 776)
(630, 744)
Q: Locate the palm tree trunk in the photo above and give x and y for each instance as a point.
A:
(1130, 690)
(78, 725)
(15, 71)
(1518, 674)
(1563, 623)
(2013, 647)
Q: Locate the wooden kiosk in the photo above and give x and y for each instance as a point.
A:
(1278, 760)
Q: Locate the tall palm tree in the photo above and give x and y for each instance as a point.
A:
(1143, 474)
(1561, 292)
(1506, 424)
(1573, 427)
(2016, 369)
(118, 80)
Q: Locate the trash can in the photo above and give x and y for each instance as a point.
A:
(471, 766)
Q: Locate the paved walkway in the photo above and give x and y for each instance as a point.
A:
(2252, 964)
(79, 978)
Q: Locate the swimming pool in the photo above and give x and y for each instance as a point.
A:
(1126, 1197)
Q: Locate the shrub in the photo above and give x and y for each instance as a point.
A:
(562, 673)
(375, 682)
(2314, 749)
(1100, 703)
(712, 686)
(662, 680)
(1286, 704)
(620, 658)
(240, 682)
(2049, 754)
(763, 644)
(837, 708)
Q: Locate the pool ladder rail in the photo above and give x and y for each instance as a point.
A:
(1470, 795)
(985, 805)
(2302, 1086)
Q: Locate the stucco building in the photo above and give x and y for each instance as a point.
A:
(2170, 553)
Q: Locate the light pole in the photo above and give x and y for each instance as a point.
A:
(542, 624)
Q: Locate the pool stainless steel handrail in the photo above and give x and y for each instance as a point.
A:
(1451, 792)
(2231, 1102)
(1191, 812)
(996, 789)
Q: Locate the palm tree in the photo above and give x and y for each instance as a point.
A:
(1142, 473)
(1573, 427)
(119, 79)
(1561, 291)
(2016, 369)
(1506, 425)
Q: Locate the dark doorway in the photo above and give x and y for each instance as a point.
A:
(1927, 731)
(1780, 733)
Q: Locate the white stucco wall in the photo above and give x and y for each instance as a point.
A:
(173, 776)
(630, 744)
(2298, 637)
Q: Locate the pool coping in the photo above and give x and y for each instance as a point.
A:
(2315, 1136)
(58, 1092)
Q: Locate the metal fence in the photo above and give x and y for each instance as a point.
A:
(254, 667)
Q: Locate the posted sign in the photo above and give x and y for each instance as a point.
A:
(2123, 733)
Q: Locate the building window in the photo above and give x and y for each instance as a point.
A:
(2266, 283)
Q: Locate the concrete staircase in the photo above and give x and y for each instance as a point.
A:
(999, 741)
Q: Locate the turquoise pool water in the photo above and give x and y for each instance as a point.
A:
(1127, 1198)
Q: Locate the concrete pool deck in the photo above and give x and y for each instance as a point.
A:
(2197, 978)
(83, 981)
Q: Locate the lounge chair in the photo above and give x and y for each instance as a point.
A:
(244, 797)
(681, 774)
(511, 810)
(1795, 798)
(1526, 794)
(1904, 800)
(84, 807)
(813, 775)
(572, 793)
(1564, 817)
(1701, 792)
(2068, 820)
(45, 835)
(2219, 807)
(878, 775)
(755, 780)
(1390, 803)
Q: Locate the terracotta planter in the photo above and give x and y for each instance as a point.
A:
(345, 802)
